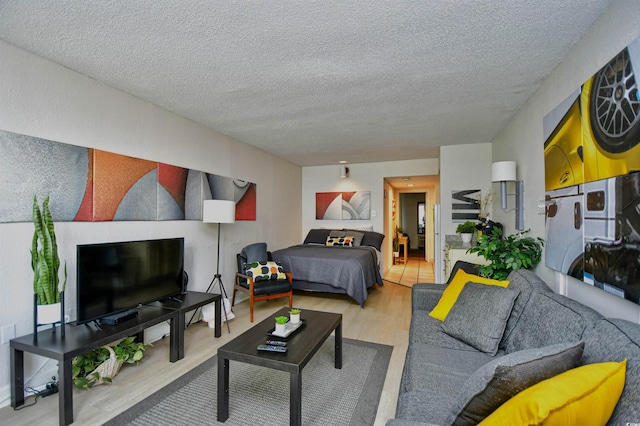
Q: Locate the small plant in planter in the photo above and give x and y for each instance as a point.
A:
(507, 254)
(294, 314)
(281, 323)
(100, 365)
(466, 230)
(45, 261)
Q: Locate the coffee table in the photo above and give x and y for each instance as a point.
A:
(301, 346)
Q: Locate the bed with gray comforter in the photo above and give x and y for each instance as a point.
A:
(334, 269)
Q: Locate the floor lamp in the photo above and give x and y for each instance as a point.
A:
(219, 211)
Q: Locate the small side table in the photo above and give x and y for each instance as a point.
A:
(404, 243)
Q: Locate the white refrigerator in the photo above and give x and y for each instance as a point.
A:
(438, 267)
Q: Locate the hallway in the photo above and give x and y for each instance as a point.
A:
(417, 270)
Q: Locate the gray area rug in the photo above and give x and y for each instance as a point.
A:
(260, 396)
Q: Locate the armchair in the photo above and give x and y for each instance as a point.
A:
(260, 289)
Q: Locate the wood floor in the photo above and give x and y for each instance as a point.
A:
(385, 319)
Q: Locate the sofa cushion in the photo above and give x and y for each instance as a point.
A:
(585, 395)
(615, 340)
(499, 380)
(427, 330)
(480, 315)
(452, 291)
(527, 282)
(549, 318)
(424, 406)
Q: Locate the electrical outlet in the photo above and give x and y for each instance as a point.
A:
(8, 333)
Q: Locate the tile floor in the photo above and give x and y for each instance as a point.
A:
(416, 270)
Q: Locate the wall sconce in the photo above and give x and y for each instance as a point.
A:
(503, 172)
(344, 172)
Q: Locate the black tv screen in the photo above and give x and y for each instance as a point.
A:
(115, 277)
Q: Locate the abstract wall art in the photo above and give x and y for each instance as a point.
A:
(90, 185)
(343, 205)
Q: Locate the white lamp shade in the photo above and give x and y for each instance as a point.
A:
(503, 171)
(218, 211)
(344, 172)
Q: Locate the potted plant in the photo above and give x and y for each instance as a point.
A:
(46, 264)
(294, 315)
(466, 231)
(507, 254)
(101, 365)
(281, 324)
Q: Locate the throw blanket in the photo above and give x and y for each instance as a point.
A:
(353, 269)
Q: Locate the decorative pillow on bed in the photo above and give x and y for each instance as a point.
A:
(372, 239)
(346, 241)
(501, 379)
(337, 233)
(265, 271)
(357, 237)
(317, 236)
(480, 316)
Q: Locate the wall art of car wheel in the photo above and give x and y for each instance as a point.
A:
(615, 107)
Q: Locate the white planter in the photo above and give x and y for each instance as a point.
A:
(294, 318)
(466, 238)
(48, 314)
(281, 328)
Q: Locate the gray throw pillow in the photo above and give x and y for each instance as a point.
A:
(479, 316)
(256, 252)
(357, 237)
(501, 379)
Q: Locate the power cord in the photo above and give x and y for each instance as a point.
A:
(50, 389)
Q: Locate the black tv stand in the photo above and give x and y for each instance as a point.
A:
(79, 339)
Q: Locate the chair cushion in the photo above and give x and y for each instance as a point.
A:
(265, 271)
(262, 288)
(480, 316)
(256, 252)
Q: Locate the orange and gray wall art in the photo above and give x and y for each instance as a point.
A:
(86, 184)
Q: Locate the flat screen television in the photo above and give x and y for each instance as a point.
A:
(116, 277)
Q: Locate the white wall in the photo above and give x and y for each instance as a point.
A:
(362, 177)
(522, 140)
(42, 99)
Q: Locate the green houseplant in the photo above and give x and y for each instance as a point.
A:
(101, 365)
(281, 324)
(45, 264)
(294, 315)
(507, 254)
(467, 227)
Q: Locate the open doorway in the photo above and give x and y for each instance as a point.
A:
(409, 207)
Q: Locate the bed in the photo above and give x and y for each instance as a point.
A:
(335, 261)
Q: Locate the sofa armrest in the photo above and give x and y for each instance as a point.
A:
(426, 296)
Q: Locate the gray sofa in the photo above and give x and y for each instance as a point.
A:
(441, 372)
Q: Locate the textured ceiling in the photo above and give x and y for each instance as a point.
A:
(315, 82)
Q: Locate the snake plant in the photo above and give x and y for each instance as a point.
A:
(44, 256)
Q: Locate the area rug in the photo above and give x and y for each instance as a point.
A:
(260, 395)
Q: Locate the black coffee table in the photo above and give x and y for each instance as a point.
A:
(301, 346)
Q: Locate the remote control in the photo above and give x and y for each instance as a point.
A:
(271, 348)
(276, 343)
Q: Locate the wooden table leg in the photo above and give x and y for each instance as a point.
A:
(218, 317)
(338, 342)
(223, 388)
(65, 395)
(17, 377)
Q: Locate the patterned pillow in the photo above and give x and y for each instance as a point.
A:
(340, 241)
(265, 271)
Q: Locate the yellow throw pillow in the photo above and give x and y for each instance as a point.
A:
(585, 395)
(451, 293)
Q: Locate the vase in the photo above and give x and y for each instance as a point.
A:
(466, 238)
(280, 328)
(294, 318)
(49, 314)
